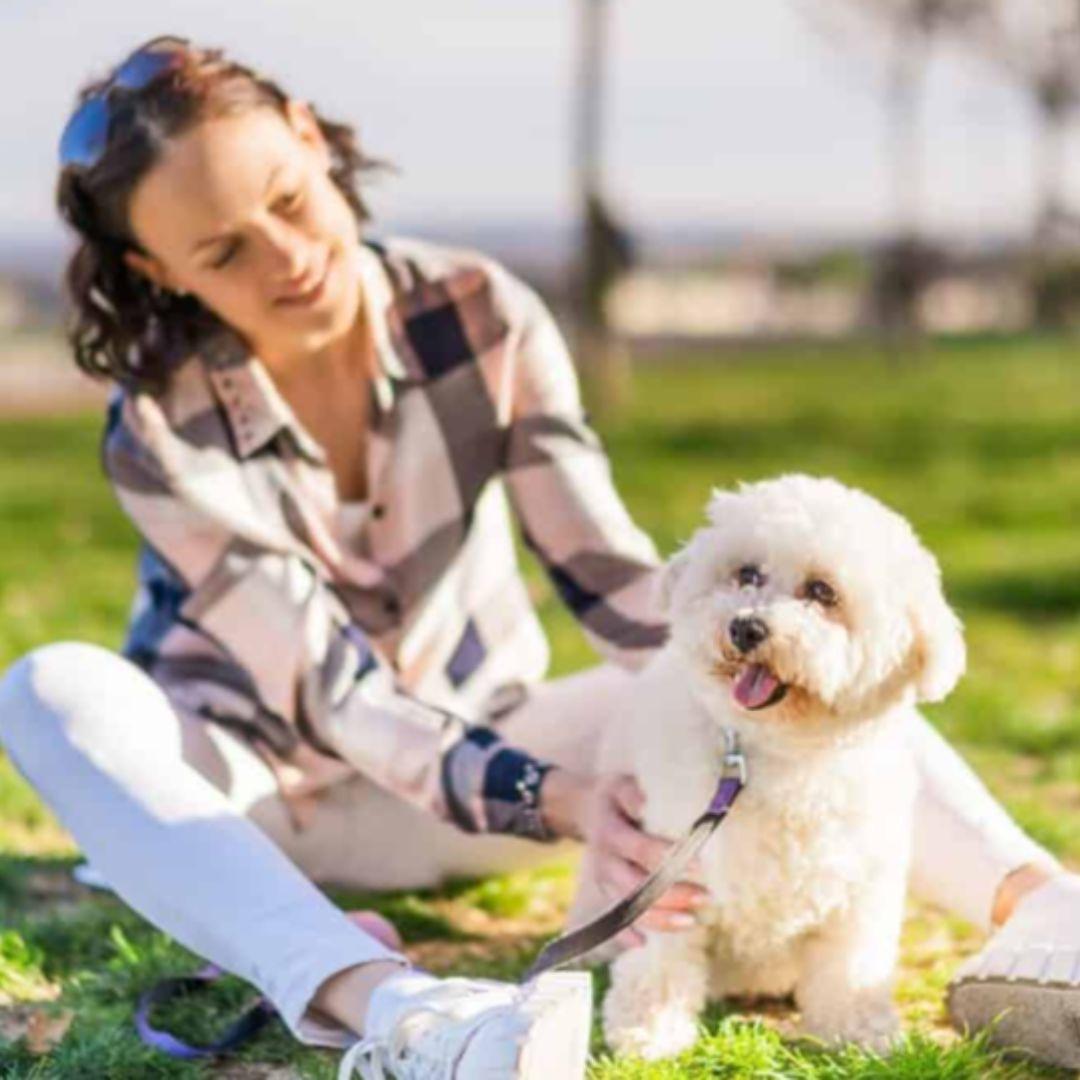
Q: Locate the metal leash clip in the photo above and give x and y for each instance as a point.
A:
(734, 759)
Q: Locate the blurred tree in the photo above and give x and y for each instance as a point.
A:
(605, 248)
(900, 35)
(1039, 45)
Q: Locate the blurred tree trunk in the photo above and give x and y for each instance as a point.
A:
(900, 34)
(603, 360)
(1054, 106)
(905, 112)
(1039, 45)
(900, 277)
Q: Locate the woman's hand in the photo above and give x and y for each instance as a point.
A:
(606, 811)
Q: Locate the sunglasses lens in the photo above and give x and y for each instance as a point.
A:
(85, 134)
(136, 72)
(87, 131)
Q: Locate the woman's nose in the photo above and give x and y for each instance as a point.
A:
(289, 254)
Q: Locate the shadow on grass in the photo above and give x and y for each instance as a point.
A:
(1044, 596)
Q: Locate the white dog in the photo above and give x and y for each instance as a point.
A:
(808, 619)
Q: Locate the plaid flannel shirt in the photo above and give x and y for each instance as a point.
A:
(376, 650)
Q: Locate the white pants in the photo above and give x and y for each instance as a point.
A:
(186, 824)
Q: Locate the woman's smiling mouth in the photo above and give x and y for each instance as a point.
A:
(312, 293)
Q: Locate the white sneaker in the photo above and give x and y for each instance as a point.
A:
(479, 1029)
(1025, 984)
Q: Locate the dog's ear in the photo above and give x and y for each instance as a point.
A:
(940, 652)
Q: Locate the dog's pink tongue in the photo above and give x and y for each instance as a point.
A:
(755, 686)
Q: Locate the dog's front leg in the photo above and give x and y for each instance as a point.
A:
(845, 983)
(657, 994)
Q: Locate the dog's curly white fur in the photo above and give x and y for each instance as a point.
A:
(808, 618)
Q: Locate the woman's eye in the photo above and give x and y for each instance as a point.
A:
(291, 202)
(750, 575)
(820, 592)
(229, 253)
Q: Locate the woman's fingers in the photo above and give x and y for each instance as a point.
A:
(630, 842)
(626, 855)
(675, 910)
(630, 938)
(620, 878)
(628, 797)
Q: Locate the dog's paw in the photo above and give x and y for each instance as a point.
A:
(664, 1032)
(657, 992)
(871, 1023)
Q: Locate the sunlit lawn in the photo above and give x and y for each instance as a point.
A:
(979, 445)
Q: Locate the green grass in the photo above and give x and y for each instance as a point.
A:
(978, 444)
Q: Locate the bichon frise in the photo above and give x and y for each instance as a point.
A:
(807, 618)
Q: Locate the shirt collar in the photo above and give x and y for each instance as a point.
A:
(255, 410)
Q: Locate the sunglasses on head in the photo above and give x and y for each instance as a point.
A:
(87, 132)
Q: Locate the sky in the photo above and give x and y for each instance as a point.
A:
(718, 114)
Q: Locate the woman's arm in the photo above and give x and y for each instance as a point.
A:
(559, 481)
(252, 635)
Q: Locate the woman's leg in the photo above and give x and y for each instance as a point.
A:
(965, 843)
(973, 859)
(559, 720)
(102, 745)
(562, 720)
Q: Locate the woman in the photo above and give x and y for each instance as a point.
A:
(306, 430)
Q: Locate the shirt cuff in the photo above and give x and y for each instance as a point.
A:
(494, 788)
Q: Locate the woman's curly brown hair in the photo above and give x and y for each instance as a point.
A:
(123, 327)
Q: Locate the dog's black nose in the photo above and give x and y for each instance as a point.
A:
(747, 633)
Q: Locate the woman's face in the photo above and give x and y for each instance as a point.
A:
(241, 212)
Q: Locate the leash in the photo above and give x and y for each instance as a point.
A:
(565, 949)
(246, 1025)
(577, 944)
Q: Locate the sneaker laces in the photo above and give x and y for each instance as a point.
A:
(438, 1048)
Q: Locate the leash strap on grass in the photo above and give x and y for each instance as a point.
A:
(580, 942)
(239, 1031)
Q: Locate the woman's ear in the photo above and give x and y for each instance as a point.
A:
(148, 267)
(940, 653)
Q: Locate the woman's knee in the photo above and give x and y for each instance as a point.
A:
(76, 691)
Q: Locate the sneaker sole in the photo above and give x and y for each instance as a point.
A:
(557, 1044)
(1041, 1020)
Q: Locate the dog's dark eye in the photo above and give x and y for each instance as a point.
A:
(750, 575)
(820, 592)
